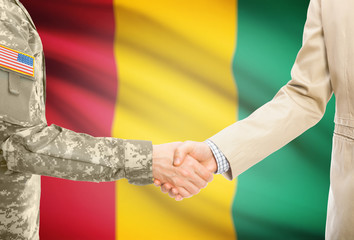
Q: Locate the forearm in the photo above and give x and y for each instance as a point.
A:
(272, 126)
(58, 152)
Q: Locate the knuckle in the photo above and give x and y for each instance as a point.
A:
(167, 187)
(193, 191)
(185, 173)
(191, 164)
(177, 181)
(205, 175)
(184, 193)
(171, 194)
(208, 176)
(188, 142)
(174, 191)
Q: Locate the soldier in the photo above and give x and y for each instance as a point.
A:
(30, 148)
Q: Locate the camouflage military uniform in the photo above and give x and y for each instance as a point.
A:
(30, 148)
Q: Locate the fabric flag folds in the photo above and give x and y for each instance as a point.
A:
(153, 70)
(78, 39)
(167, 71)
(174, 64)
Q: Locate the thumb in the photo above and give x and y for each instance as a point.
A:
(182, 151)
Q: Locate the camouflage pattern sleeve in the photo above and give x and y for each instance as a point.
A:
(58, 152)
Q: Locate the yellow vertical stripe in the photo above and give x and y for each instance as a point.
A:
(175, 84)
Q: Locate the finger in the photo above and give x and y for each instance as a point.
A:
(179, 198)
(184, 193)
(196, 183)
(182, 151)
(165, 188)
(189, 189)
(157, 183)
(173, 193)
(203, 172)
(192, 170)
(199, 169)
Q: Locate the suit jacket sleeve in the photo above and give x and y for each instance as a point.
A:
(298, 105)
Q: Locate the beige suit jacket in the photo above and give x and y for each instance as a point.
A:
(324, 65)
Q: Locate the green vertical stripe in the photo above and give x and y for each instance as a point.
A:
(284, 196)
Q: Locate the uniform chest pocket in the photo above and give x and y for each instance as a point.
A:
(15, 95)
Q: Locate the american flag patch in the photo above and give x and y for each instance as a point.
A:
(16, 61)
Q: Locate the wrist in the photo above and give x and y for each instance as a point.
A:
(219, 159)
(211, 164)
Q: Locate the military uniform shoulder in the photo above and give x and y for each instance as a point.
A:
(15, 26)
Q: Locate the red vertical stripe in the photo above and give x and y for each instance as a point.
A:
(78, 37)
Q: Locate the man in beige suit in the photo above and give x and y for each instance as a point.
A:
(324, 65)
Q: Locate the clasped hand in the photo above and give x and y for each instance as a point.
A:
(183, 169)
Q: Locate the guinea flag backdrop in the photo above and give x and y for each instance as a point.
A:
(169, 71)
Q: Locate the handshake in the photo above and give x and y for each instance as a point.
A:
(183, 169)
